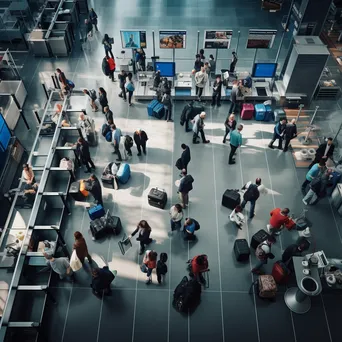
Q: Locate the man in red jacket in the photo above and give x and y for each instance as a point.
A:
(112, 66)
(280, 218)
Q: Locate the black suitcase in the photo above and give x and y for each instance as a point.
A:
(97, 229)
(112, 223)
(75, 193)
(157, 198)
(259, 237)
(230, 199)
(241, 250)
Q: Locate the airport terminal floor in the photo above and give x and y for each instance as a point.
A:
(136, 311)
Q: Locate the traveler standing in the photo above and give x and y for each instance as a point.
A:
(116, 137)
(230, 125)
(233, 63)
(108, 114)
(122, 78)
(140, 138)
(144, 231)
(235, 143)
(290, 133)
(80, 246)
(93, 185)
(198, 64)
(185, 157)
(83, 147)
(161, 268)
(92, 98)
(107, 43)
(278, 133)
(198, 126)
(263, 253)
(103, 98)
(292, 250)
(212, 63)
(316, 170)
(167, 102)
(102, 278)
(185, 186)
(88, 28)
(201, 78)
(217, 88)
(112, 66)
(140, 59)
(251, 195)
(86, 126)
(61, 77)
(233, 97)
(176, 216)
(189, 229)
(130, 87)
(93, 18)
(149, 264)
(59, 265)
(324, 151)
(202, 57)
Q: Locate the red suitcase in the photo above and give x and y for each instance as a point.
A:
(247, 112)
(280, 272)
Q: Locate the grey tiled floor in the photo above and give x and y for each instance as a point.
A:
(136, 312)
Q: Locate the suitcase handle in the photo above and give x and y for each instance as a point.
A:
(160, 189)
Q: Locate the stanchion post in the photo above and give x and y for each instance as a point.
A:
(237, 43)
(37, 116)
(197, 43)
(313, 117)
(45, 91)
(301, 106)
(20, 111)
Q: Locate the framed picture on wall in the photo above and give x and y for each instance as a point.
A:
(172, 39)
(217, 39)
(261, 39)
(131, 39)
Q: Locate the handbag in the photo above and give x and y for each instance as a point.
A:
(179, 164)
(130, 86)
(143, 268)
(111, 40)
(75, 262)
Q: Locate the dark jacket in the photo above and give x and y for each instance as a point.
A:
(62, 79)
(94, 187)
(185, 184)
(187, 113)
(252, 193)
(290, 252)
(321, 149)
(140, 139)
(93, 17)
(144, 234)
(109, 115)
(84, 150)
(103, 100)
(89, 27)
(186, 157)
(157, 80)
(279, 128)
(218, 86)
(290, 131)
(105, 67)
(122, 79)
(161, 268)
(232, 127)
(103, 280)
(198, 64)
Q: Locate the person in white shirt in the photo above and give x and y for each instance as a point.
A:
(237, 216)
(176, 216)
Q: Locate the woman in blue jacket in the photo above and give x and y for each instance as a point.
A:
(316, 170)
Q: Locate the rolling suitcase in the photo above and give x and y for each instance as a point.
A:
(241, 250)
(75, 192)
(333, 181)
(259, 237)
(92, 138)
(280, 272)
(260, 111)
(157, 198)
(97, 229)
(111, 223)
(96, 212)
(150, 107)
(231, 198)
(197, 108)
(124, 173)
(268, 114)
(247, 111)
(267, 287)
(279, 114)
(159, 111)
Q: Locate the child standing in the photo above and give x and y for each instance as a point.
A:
(161, 268)
(149, 263)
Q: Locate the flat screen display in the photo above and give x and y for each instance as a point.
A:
(133, 39)
(266, 70)
(167, 69)
(5, 134)
(261, 39)
(219, 39)
(172, 39)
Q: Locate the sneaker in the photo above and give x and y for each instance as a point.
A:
(270, 146)
(148, 281)
(232, 162)
(119, 160)
(130, 104)
(195, 142)
(224, 141)
(256, 271)
(206, 142)
(144, 152)
(305, 202)
(120, 95)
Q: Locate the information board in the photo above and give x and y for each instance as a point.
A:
(131, 39)
(261, 39)
(172, 39)
(217, 39)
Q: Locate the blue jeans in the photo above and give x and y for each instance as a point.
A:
(175, 225)
(146, 270)
(251, 209)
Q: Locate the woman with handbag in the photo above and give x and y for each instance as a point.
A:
(230, 125)
(103, 99)
(80, 246)
(129, 87)
(144, 235)
(107, 43)
(149, 263)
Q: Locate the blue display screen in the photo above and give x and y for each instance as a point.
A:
(167, 69)
(5, 134)
(266, 70)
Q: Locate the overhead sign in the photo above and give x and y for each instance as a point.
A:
(131, 39)
(217, 39)
(172, 39)
(261, 39)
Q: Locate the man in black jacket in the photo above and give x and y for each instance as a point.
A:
(83, 147)
(94, 187)
(324, 151)
(108, 114)
(290, 133)
(217, 88)
(140, 139)
(251, 195)
(187, 115)
(185, 186)
(102, 278)
(185, 157)
(122, 78)
(294, 250)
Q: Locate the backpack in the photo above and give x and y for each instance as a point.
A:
(71, 84)
(108, 136)
(163, 257)
(66, 163)
(252, 193)
(187, 294)
(105, 129)
(128, 141)
(130, 86)
(92, 93)
(260, 253)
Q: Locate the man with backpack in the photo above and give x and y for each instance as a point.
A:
(185, 186)
(263, 253)
(190, 226)
(251, 195)
(111, 66)
(127, 144)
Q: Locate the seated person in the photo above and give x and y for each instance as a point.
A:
(189, 229)
(28, 174)
(199, 264)
(102, 278)
(27, 197)
(237, 216)
(294, 250)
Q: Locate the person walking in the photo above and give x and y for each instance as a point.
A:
(88, 29)
(233, 97)
(198, 126)
(217, 89)
(140, 138)
(112, 66)
(108, 114)
(149, 264)
(93, 185)
(83, 147)
(235, 143)
(167, 102)
(290, 133)
(103, 98)
(233, 62)
(85, 125)
(278, 133)
(176, 216)
(116, 137)
(251, 195)
(80, 246)
(129, 85)
(93, 18)
(107, 43)
(161, 268)
(198, 64)
(263, 253)
(122, 79)
(61, 266)
(324, 151)
(185, 186)
(189, 229)
(61, 77)
(144, 231)
(101, 281)
(201, 78)
(91, 94)
(316, 170)
(212, 64)
(230, 125)
(185, 157)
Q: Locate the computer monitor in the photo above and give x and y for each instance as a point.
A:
(167, 69)
(5, 134)
(266, 70)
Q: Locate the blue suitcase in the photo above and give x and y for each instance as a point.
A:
(150, 107)
(96, 212)
(123, 173)
(159, 111)
(260, 111)
(336, 176)
(268, 114)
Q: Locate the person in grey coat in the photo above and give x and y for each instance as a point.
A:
(198, 126)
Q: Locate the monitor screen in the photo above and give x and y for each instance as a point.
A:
(266, 70)
(172, 39)
(133, 39)
(167, 69)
